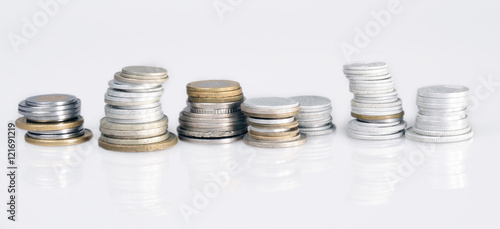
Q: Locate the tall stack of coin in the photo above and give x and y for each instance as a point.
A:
(376, 106)
(213, 114)
(52, 120)
(273, 123)
(134, 119)
(442, 115)
(315, 115)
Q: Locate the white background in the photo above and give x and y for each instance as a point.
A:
(273, 48)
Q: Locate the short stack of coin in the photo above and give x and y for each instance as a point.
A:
(442, 115)
(315, 115)
(134, 119)
(376, 106)
(273, 123)
(52, 120)
(213, 114)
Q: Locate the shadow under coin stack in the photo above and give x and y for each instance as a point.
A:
(442, 115)
(273, 123)
(315, 115)
(376, 106)
(134, 119)
(52, 120)
(213, 114)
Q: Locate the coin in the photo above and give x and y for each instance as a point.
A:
(135, 141)
(310, 102)
(139, 81)
(331, 128)
(115, 84)
(132, 134)
(33, 126)
(275, 139)
(210, 133)
(129, 94)
(213, 86)
(270, 103)
(56, 136)
(410, 134)
(214, 106)
(217, 100)
(249, 140)
(377, 117)
(365, 66)
(144, 71)
(289, 125)
(169, 142)
(271, 121)
(60, 142)
(219, 94)
(284, 134)
(105, 123)
(29, 108)
(443, 91)
(211, 140)
(375, 137)
(50, 100)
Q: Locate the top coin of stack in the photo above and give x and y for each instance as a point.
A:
(134, 119)
(273, 123)
(315, 115)
(53, 120)
(213, 113)
(442, 115)
(376, 106)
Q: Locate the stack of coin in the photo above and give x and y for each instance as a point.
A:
(213, 114)
(376, 106)
(134, 119)
(442, 115)
(315, 115)
(52, 120)
(273, 123)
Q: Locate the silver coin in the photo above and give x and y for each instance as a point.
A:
(270, 103)
(120, 78)
(270, 111)
(119, 101)
(131, 121)
(448, 127)
(392, 120)
(65, 131)
(443, 91)
(441, 133)
(316, 129)
(315, 122)
(137, 107)
(375, 112)
(214, 126)
(439, 118)
(440, 106)
(28, 108)
(313, 115)
(311, 102)
(398, 102)
(138, 141)
(105, 123)
(214, 111)
(375, 137)
(134, 87)
(215, 106)
(129, 94)
(371, 92)
(56, 136)
(373, 101)
(50, 100)
(158, 115)
(213, 120)
(271, 121)
(58, 118)
(366, 75)
(187, 112)
(113, 110)
(49, 113)
(225, 140)
(376, 129)
(332, 128)
(391, 94)
(249, 140)
(433, 112)
(147, 133)
(210, 134)
(441, 100)
(410, 134)
(145, 71)
(365, 66)
(262, 130)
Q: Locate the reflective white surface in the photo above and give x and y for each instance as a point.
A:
(272, 48)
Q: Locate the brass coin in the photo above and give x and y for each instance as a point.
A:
(290, 125)
(171, 141)
(287, 134)
(379, 117)
(218, 94)
(217, 100)
(47, 126)
(279, 138)
(213, 85)
(87, 135)
(272, 116)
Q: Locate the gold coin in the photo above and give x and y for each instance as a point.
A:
(217, 100)
(279, 138)
(377, 117)
(213, 85)
(24, 124)
(272, 116)
(290, 125)
(218, 94)
(87, 135)
(287, 134)
(169, 142)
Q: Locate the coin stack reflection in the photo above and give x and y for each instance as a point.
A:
(272, 122)
(315, 115)
(376, 106)
(213, 114)
(442, 115)
(134, 119)
(52, 120)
